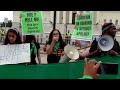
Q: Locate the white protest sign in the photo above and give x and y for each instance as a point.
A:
(14, 54)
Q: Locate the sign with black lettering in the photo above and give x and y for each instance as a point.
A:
(32, 22)
(84, 27)
(14, 54)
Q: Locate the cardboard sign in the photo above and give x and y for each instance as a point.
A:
(14, 54)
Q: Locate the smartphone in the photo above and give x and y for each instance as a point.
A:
(108, 68)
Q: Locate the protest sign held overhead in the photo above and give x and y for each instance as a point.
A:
(32, 22)
(83, 27)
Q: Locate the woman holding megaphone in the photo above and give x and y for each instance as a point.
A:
(55, 46)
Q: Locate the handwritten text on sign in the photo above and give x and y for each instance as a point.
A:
(84, 27)
(32, 22)
(14, 54)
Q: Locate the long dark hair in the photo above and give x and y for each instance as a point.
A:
(29, 39)
(18, 39)
(60, 37)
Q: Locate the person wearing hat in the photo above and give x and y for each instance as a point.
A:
(107, 29)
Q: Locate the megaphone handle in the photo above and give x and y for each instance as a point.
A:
(59, 51)
(99, 49)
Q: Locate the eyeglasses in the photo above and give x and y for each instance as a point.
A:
(55, 33)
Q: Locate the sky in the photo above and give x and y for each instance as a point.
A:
(8, 14)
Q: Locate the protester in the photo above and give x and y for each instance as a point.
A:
(44, 48)
(12, 37)
(84, 48)
(107, 29)
(90, 69)
(34, 49)
(83, 45)
(37, 38)
(55, 46)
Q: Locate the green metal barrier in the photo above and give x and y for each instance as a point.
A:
(71, 70)
(112, 59)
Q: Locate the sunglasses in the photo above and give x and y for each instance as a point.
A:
(55, 33)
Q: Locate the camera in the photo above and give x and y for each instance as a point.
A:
(108, 68)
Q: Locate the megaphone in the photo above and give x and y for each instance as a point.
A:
(105, 43)
(71, 53)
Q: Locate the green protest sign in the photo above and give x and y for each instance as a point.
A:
(32, 22)
(84, 27)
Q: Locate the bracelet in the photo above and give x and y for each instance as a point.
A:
(87, 77)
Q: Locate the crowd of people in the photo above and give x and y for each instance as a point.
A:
(55, 47)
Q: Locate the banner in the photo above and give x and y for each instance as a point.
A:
(32, 22)
(84, 27)
(14, 54)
